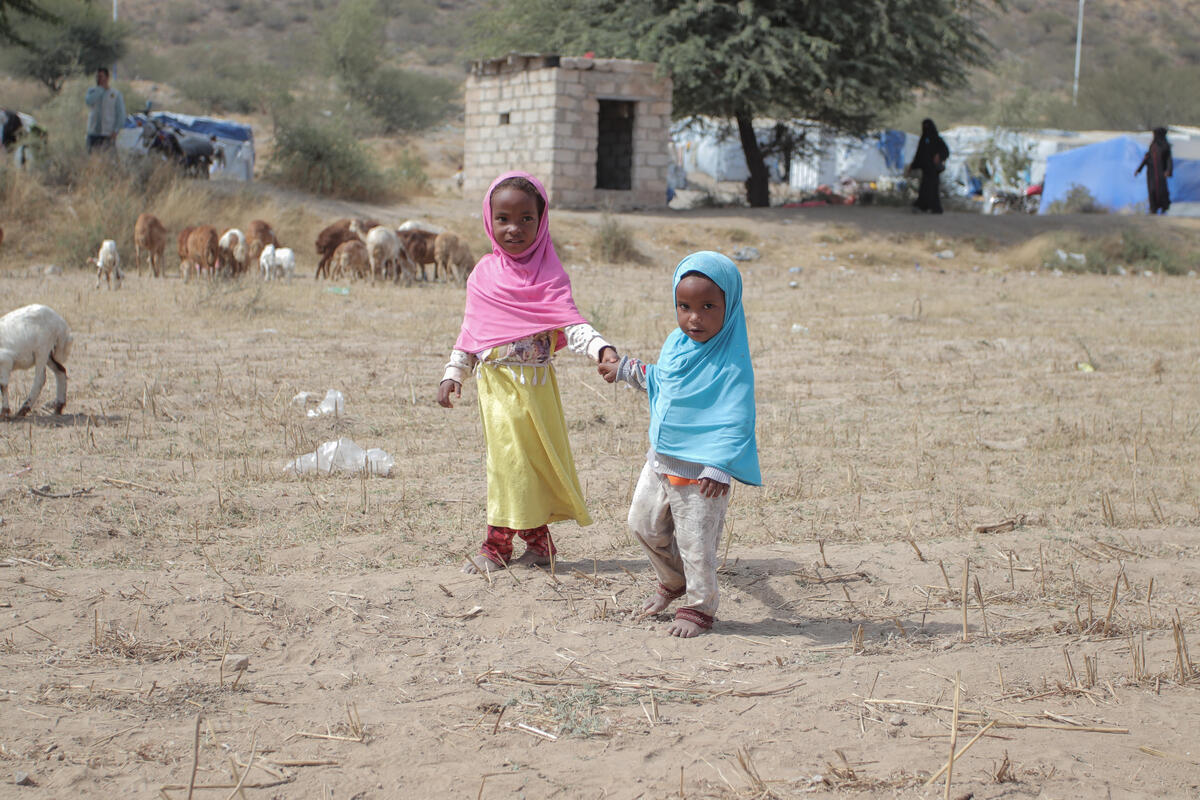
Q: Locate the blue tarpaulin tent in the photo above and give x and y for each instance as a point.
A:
(1106, 170)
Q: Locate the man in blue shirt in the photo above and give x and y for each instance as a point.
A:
(106, 114)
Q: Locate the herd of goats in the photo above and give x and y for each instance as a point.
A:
(37, 337)
(349, 249)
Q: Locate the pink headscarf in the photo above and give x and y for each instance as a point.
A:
(510, 297)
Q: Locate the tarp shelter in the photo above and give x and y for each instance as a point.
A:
(838, 157)
(714, 149)
(1106, 170)
(235, 139)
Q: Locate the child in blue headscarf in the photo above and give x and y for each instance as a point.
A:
(701, 436)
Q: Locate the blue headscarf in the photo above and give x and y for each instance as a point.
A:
(702, 394)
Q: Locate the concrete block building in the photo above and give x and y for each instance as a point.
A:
(595, 131)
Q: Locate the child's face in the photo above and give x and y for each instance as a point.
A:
(699, 307)
(514, 219)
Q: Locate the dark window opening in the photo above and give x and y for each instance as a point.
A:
(505, 118)
(614, 151)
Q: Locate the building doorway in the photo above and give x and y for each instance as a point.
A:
(614, 150)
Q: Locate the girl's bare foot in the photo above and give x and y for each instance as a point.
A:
(479, 563)
(532, 559)
(684, 629)
(655, 604)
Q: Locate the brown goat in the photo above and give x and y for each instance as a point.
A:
(419, 245)
(184, 263)
(259, 234)
(150, 235)
(350, 259)
(452, 256)
(332, 237)
(202, 250)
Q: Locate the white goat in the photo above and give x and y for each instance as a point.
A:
(34, 336)
(107, 264)
(383, 249)
(277, 262)
(231, 249)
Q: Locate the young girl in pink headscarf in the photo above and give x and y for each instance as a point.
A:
(519, 312)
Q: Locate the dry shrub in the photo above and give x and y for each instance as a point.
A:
(613, 241)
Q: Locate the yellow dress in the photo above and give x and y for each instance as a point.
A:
(531, 476)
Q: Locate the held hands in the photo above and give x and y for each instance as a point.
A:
(711, 488)
(609, 361)
(445, 389)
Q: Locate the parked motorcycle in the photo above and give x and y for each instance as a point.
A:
(1001, 201)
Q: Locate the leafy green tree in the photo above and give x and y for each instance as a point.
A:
(27, 8)
(59, 38)
(355, 40)
(840, 64)
(400, 99)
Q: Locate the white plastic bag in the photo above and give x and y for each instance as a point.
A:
(344, 455)
(334, 403)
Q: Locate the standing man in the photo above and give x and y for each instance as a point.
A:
(106, 114)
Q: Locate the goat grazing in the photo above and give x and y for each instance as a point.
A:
(452, 256)
(350, 259)
(232, 251)
(184, 263)
(332, 237)
(108, 264)
(149, 235)
(202, 251)
(259, 234)
(419, 245)
(277, 263)
(34, 336)
(385, 252)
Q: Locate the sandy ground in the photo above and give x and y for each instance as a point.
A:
(919, 418)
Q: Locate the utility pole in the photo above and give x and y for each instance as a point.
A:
(1078, 49)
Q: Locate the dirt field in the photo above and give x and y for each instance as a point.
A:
(916, 415)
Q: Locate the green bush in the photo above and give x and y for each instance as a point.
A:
(1148, 252)
(324, 159)
(407, 101)
(1078, 201)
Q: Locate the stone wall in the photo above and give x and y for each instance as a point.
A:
(541, 114)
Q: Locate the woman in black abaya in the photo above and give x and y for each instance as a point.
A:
(1158, 165)
(930, 158)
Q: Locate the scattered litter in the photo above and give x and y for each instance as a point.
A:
(1084, 366)
(304, 398)
(342, 290)
(801, 269)
(794, 284)
(52, 269)
(237, 662)
(1147, 273)
(345, 455)
(1064, 257)
(829, 258)
(944, 254)
(334, 403)
(1121, 270)
(798, 328)
(746, 253)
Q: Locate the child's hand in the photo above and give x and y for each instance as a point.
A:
(608, 355)
(711, 488)
(447, 388)
(608, 371)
